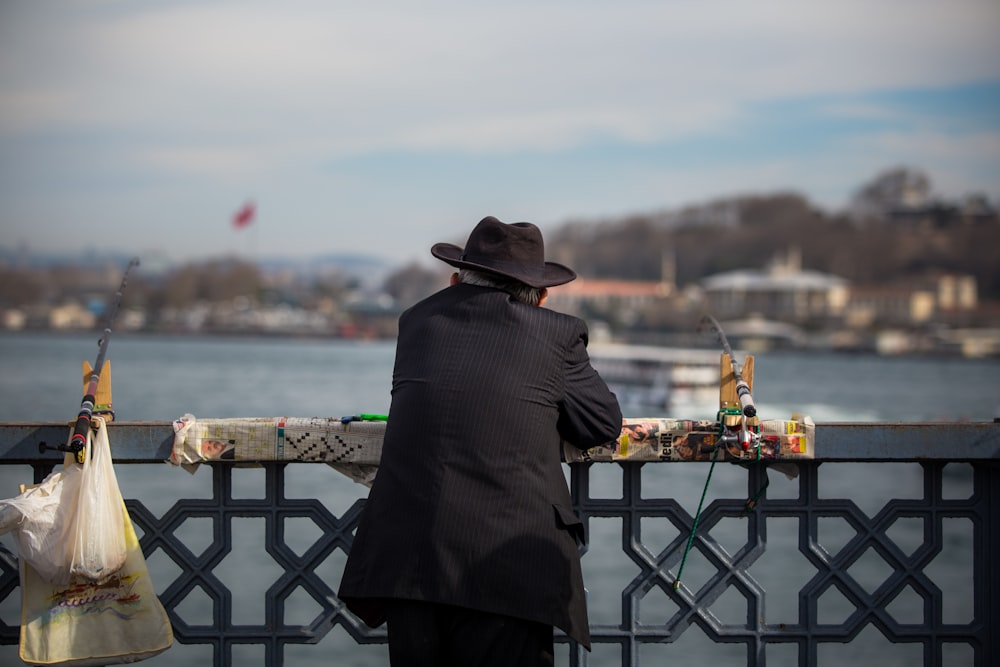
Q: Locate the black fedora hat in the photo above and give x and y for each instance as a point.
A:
(513, 250)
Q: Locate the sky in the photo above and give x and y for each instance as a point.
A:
(380, 128)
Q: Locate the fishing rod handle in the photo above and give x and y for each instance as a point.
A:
(82, 426)
(746, 399)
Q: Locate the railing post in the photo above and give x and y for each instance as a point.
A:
(987, 604)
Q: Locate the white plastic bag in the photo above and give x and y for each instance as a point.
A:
(71, 523)
(35, 517)
(99, 532)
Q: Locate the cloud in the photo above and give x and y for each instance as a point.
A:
(234, 164)
(365, 112)
(365, 72)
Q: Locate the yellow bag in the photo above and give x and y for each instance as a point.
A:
(83, 623)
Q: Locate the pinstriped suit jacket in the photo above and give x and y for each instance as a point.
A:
(470, 506)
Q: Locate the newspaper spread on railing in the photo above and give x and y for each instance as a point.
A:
(663, 439)
(354, 447)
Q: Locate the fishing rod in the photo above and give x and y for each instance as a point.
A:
(82, 427)
(742, 387)
(735, 427)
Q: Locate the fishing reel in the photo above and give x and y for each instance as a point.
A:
(75, 447)
(739, 430)
(78, 442)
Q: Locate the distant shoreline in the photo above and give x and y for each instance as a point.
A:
(853, 352)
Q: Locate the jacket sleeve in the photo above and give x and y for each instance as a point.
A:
(589, 414)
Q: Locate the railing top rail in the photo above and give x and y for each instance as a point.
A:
(151, 442)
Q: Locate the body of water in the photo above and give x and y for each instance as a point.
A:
(159, 378)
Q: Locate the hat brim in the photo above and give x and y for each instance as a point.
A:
(549, 275)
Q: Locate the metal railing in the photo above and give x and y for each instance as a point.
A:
(891, 570)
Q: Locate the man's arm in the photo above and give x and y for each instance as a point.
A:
(589, 414)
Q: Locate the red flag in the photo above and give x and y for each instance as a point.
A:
(245, 215)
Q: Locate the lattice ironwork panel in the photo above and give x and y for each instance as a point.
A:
(200, 570)
(870, 579)
(861, 570)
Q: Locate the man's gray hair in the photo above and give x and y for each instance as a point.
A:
(520, 291)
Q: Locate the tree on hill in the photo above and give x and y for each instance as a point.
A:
(894, 188)
(748, 231)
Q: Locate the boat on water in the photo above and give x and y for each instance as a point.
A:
(659, 378)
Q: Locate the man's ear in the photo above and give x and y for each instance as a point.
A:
(544, 295)
(454, 279)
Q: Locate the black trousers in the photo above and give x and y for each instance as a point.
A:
(427, 634)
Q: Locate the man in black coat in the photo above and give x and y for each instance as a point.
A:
(468, 544)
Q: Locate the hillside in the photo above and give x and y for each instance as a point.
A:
(890, 246)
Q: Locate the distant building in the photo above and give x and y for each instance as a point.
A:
(625, 299)
(71, 316)
(919, 301)
(782, 292)
(975, 209)
(899, 306)
(13, 319)
(955, 292)
(608, 293)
